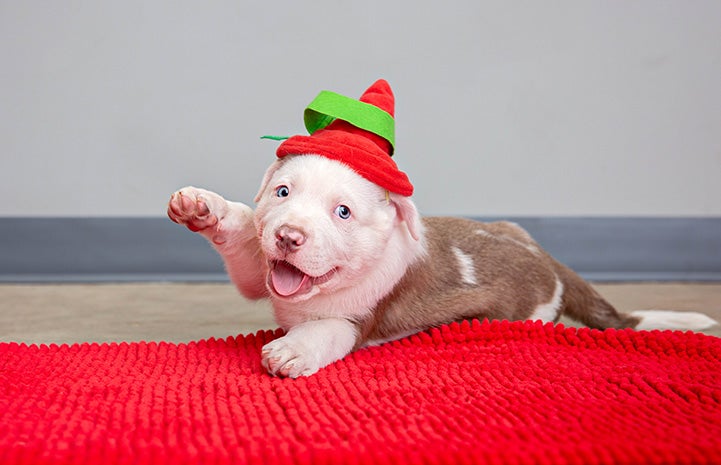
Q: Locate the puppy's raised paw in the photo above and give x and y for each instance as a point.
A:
(197, 209)
(286, 357)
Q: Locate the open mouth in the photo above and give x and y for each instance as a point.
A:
(287, 280)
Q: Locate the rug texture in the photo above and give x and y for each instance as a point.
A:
(472, 392)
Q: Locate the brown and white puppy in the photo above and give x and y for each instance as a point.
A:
(347, 264)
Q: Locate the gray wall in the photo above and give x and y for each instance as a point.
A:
(569, 108)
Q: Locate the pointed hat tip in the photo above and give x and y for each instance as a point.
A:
(380, 94)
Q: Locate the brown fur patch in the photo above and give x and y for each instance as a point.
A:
(511, 281)
(513, 275)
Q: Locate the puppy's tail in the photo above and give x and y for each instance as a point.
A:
(665, 319)
(581, 302)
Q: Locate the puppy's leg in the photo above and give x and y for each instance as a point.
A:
(309, 346)
(228, 226)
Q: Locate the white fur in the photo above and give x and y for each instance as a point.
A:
(309, 346)
(549, 312)
(228, 226)
(465, 266)
(365, 255)
(371, 250)
(664, 319)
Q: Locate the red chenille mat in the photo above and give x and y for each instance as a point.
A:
(474, 392)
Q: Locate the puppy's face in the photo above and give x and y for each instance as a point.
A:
(321, 225)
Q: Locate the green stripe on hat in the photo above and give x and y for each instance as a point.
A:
(328, 106)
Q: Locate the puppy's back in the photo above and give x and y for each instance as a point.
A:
(471, 270)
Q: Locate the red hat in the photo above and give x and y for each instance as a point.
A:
(367, 151)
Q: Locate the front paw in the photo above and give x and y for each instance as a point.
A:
(197, 209)
(286, 357)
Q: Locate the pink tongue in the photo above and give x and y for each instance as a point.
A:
(287, 279)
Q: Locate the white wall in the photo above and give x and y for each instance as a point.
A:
(503, 108)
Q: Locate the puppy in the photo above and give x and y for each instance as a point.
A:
(347, 264)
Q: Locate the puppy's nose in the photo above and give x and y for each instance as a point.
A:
(289, 238)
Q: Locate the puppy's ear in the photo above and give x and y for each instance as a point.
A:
(406, 212)
(266, 178)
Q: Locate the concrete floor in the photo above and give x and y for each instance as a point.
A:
(69, 313)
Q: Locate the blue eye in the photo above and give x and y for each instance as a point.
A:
(342, 211)
(282, 191)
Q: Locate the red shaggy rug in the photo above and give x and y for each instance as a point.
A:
(465, 393)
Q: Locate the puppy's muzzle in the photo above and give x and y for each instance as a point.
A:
(289, 238)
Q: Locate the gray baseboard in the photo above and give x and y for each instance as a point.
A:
(155, 249)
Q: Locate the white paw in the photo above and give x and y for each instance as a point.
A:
(197, 209)
(288, 357)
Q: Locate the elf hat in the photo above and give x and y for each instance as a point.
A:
(359, 134)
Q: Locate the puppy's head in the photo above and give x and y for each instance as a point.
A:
(323, 227)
